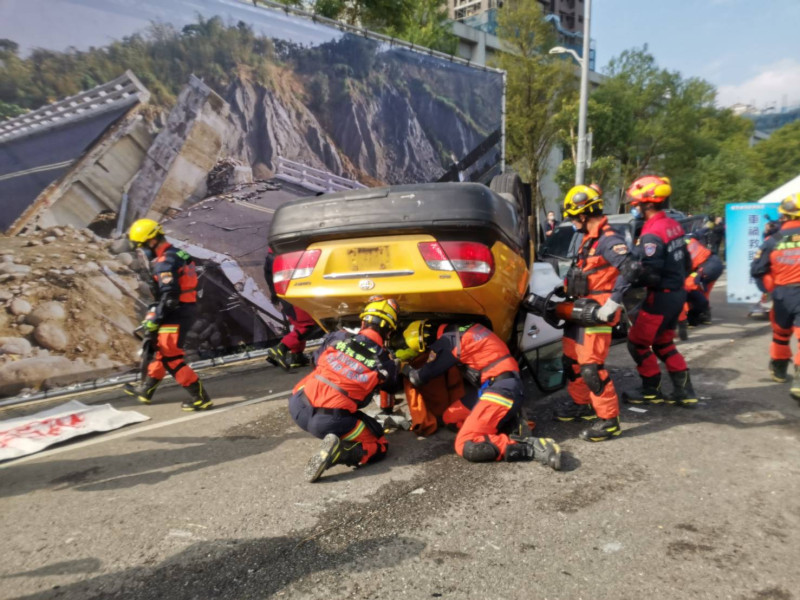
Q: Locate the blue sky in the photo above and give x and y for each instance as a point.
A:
(749, 49)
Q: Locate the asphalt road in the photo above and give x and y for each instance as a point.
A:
(700, 503)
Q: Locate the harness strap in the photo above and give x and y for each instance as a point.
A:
(335, 387)
(495, 362)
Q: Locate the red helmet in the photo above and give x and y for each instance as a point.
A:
(650, 188)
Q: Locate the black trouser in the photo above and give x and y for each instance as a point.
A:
(355, 427)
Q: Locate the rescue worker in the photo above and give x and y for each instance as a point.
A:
(706, 269)
(327, 402)
(428, 404)
(288, 353)
(174, 286)
(485, 422)
(603, 270)
(776, 269)
(665, 262)
(761, 309)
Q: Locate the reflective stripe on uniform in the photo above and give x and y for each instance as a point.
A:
(359, 429)
(497, 399)
(598, 330)
(168, 329)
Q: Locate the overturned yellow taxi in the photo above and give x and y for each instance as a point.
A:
(442, 250)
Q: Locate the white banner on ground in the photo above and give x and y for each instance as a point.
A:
(26, 435)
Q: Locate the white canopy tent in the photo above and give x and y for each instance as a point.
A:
(778, 194)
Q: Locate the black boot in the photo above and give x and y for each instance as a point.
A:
(279, 356)
(572, 411)
(297, 360)
(682, 391)
(601, 430)
(143, 391)
(543, 450)
(779, 369)
(649, 393)
(332, 451)
(683, 330)
(794, 391)
(199, 400)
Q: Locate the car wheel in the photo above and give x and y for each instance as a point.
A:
(511, 184)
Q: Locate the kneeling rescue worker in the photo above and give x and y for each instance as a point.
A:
(288, 353)
(174, 286)
(603, 270)
(706, 269)
(776, 267)
(327, 402)
(484, 434)
(666, 263)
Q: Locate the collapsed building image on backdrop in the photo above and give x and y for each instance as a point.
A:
(211, 152)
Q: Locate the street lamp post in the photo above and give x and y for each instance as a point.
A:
(580, 166)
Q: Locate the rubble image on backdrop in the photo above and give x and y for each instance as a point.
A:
(206, 116)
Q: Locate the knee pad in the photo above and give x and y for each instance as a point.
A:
(590, 373)
(480, 452)
(380, 454)
(636, 352)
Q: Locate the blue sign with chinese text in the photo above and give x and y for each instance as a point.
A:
(744, 231)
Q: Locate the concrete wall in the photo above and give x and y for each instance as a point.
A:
(100, 184)
(182, 154)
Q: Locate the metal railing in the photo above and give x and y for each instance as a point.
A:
(313, 179)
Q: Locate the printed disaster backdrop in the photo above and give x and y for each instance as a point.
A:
(224, 88)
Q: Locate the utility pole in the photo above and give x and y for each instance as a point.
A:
(580, 167)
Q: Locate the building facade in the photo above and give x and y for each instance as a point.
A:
(481, 16)
(461, 9)
(569, 12)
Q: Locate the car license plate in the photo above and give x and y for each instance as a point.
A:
(369, 258)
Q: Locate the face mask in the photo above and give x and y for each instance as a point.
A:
(148, 252)
(637, 214)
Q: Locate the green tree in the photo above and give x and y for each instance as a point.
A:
(730, 175)
(9, 111)
(539, 86)
(425, 24)
(779, 156)
(646, 119)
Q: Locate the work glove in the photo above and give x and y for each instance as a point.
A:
(149, 324)
(412, 375)
(406, 354)
(698, 281)
(608, 310)
(560, 292)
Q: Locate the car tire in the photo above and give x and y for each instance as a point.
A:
(511, 184)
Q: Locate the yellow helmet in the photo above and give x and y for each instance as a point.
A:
(582, 199)
(417, 335)
(380, 312)
(790, 206)
(144, 230)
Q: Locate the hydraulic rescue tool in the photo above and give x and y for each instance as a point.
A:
(582, 311)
